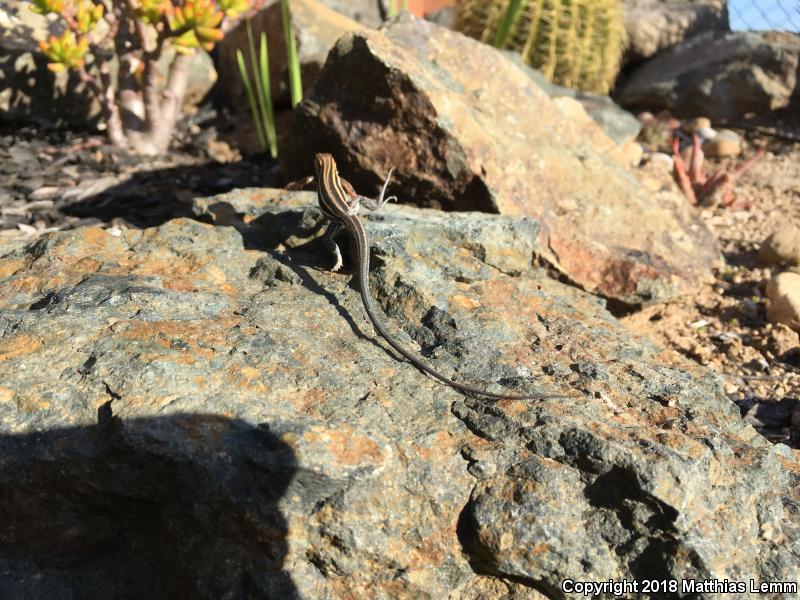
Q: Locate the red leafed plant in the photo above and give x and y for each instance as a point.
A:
(697, 187)
(140, 105)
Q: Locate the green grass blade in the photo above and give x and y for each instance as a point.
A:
(251, 98)
(509, 18)
(259, 93)
(295, 84)
(266, 96)
(391, 10)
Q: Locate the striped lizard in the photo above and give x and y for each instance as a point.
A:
(339, 202)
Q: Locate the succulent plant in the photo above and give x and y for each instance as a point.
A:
(87, 15)
(202, 18)
(45, 7)
(89, 41)
(64, 51)
(575, 43)
(151, 11)
(234, 8)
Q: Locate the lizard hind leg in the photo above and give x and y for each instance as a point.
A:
(329, 240)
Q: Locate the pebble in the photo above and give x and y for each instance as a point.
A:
(696, 124)
(40, 205)
(783, 294)
(771, 414)
(27, 229)
(46, 192)
(782, 247)
(706, 133)
(777, 339)
(795, 420)
(20, 155)
(725, 143)
(662, 160)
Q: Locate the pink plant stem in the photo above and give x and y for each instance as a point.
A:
(680, 172)
(696, 175)
(742, 168)
(110, 110)
(174, 92)
(150, 56)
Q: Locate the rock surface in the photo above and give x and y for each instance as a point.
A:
(783, 295)
(782, 247)
(653, 25)
(366, 12)
(461, 140)
(617, 123)
(719, 75)
(201, 410)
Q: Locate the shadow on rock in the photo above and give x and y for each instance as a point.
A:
(148, 198)
(182, 506)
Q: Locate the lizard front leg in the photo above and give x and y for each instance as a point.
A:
(370, 203)
(300, 183)
(333, 230)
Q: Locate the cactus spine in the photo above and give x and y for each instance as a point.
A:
(575, 43)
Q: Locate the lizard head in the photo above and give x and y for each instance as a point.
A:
(323, 161)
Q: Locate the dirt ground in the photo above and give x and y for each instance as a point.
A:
(52, 180)
(724, 324)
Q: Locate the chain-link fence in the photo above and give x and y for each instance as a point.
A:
(779, 15)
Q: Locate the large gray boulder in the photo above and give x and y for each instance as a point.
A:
(202, 411)
(654, 25)
(461, 139)
(719, 75)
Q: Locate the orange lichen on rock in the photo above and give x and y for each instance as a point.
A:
(464, 302)
(246, 379)
(9, 266)
(347, 447)
(183, 342)
(19, 345)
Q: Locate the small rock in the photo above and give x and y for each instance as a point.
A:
(771, 414)
(46, 192)
(696, 124)
(40, 205)
(795, 420)
(444, 17)
(662, 160)
(721, 75)
(725, 143)
(655, 25)
(777, 339)
(782, 247)
(221, 152)
(21, 155)
(27, 229)
(706, 133)
(630, 154)
(783, 293)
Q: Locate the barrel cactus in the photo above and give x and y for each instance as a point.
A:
(575, 43)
